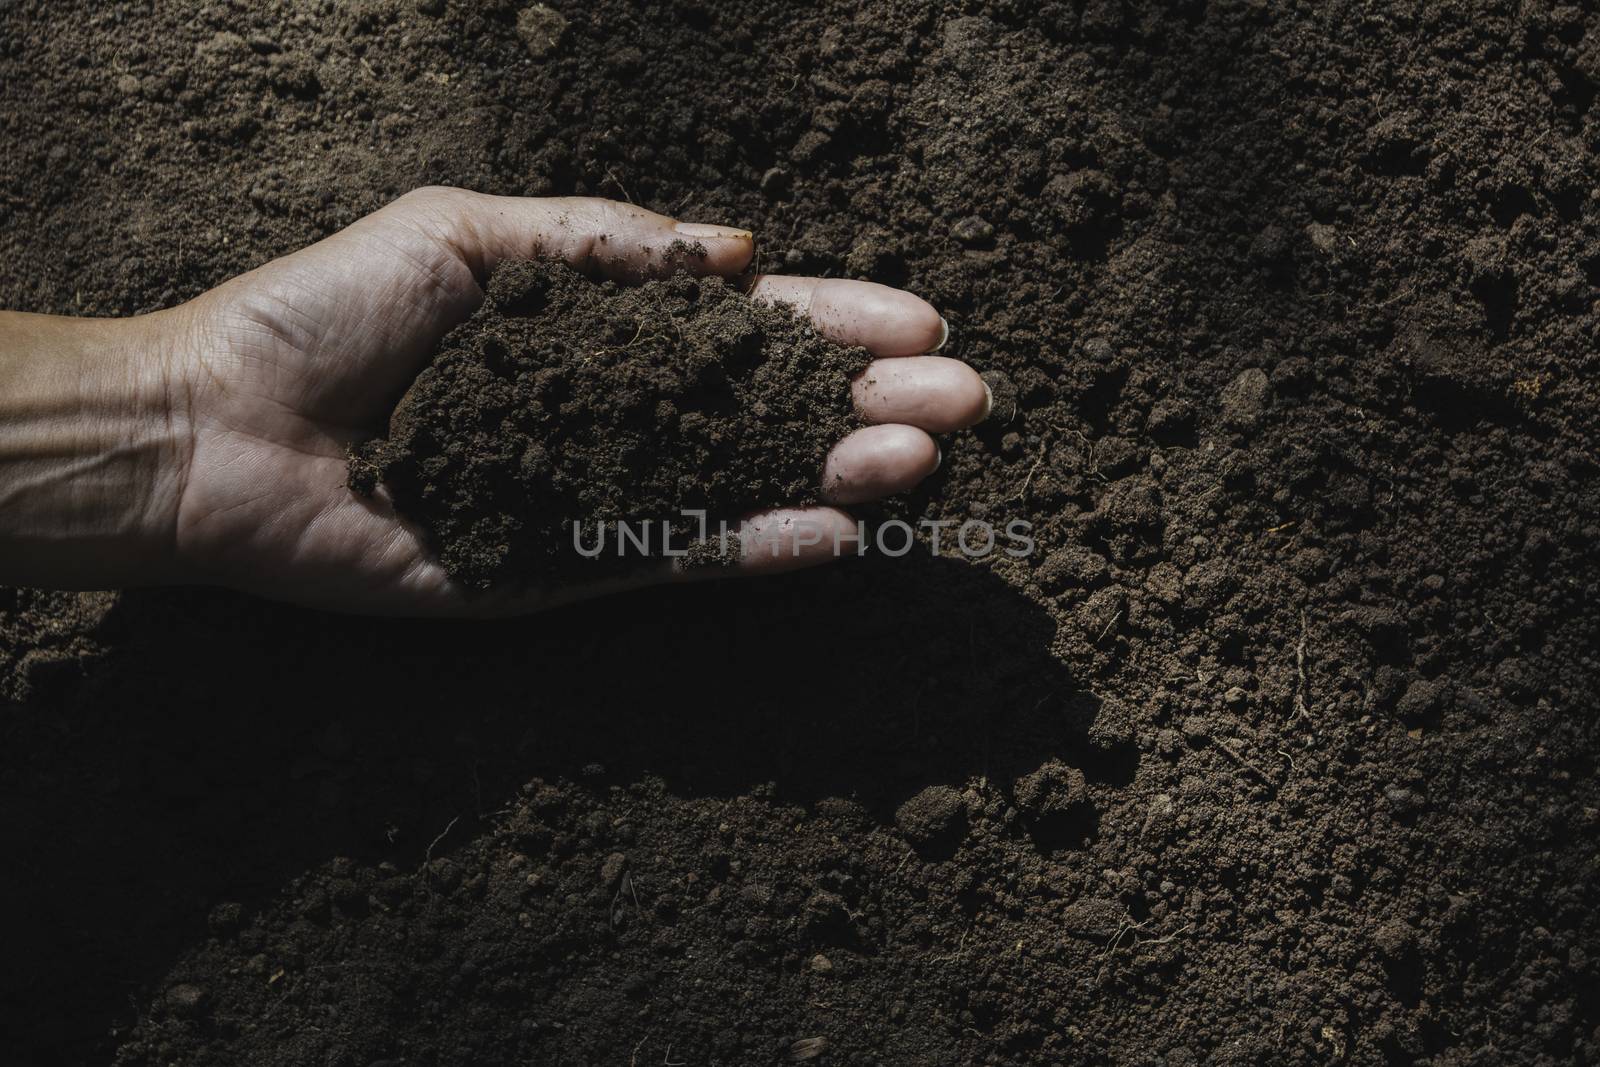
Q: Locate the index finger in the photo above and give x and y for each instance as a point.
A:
(598, 237)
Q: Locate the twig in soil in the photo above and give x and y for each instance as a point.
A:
(1397, 296)
(624, 886)
(1229, 749)
(618, 183)
(1031, 472)
(428, 858)
(961, 947)
(1185, 928)
(1114, 620)
(1088, 456)
(1131, 929)
(1300, 668)
(1127, 927)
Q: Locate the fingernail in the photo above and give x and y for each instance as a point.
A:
(944, 334)
(988, 401)
(705, 229)
(938, 457)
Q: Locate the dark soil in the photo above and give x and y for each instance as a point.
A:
(563, 403)
(1280, 748)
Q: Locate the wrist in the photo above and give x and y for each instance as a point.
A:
(93, 445)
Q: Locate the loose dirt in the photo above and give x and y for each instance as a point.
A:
(566, 417)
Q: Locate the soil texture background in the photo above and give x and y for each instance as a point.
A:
(1280, 747)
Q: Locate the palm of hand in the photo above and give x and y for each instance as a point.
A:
(292, 363)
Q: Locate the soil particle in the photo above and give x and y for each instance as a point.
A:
(1171, 421)
(776, 182)
(1073, 566)
(1004, 393)
(973, 232)
(1093, 918)
(1244, 401)
(1422, 701)
(187, 1000)
(612, 869)
(1051, 790)
(934, 819)
(1405, 802)
(541, 28)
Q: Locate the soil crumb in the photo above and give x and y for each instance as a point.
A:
(565, 407)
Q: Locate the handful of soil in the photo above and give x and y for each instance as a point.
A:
(565, 401)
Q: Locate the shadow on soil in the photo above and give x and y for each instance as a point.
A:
(231, 744)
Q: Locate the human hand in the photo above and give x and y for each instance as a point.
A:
(270, 377)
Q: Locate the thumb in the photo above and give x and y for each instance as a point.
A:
(601, 238)
(364, 308)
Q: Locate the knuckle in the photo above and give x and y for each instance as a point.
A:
(432, 194)
(441, 204)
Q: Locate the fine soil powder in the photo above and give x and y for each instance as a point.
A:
(566, 401)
